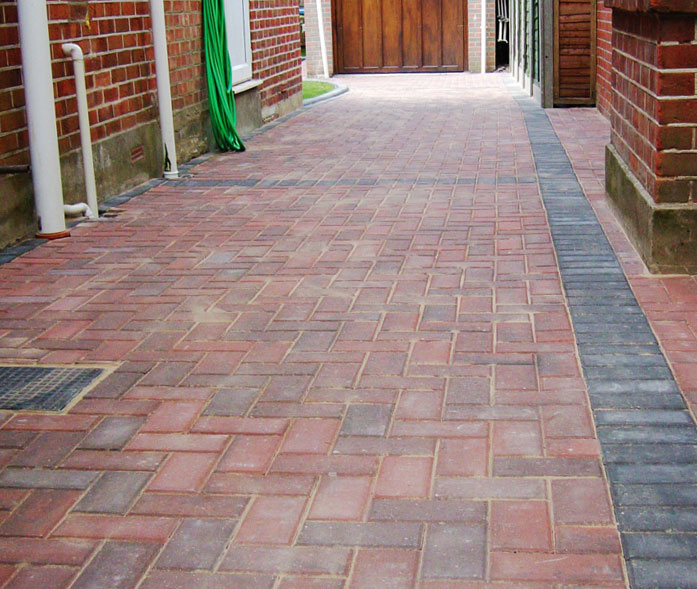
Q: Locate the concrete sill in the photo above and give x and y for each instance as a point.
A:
(244, 86)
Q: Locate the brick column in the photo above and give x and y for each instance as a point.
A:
(313, 55)
(651, 163)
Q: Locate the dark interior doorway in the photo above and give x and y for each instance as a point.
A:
(503, 35)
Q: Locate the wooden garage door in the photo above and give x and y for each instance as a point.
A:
(399, 36)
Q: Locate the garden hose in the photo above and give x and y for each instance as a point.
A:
(221, 98)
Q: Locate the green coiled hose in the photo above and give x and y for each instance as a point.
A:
(221, 98)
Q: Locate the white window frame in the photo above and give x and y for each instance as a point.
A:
(242, 69)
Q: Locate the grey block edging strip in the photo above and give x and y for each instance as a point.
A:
(353, 182)
(647, 435)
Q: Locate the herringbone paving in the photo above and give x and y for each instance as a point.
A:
(361, 375)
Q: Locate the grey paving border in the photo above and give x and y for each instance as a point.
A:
(363, 181)
(15, 251)
(648, 437)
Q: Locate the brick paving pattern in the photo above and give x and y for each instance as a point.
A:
(342, 358)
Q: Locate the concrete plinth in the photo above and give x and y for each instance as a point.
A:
(664, 234)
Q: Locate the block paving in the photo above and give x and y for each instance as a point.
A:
(343, 358)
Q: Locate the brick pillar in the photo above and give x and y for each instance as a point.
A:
(313, 58)
(651, 163)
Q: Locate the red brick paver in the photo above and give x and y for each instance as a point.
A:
(359, 372)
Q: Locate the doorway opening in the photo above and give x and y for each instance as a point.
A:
(502, 35)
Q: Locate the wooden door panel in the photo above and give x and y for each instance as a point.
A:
(352, 42)
(411, 33)
(392, 34)
(431, 33)
(399, 35)
(453, 35)
(372, 34)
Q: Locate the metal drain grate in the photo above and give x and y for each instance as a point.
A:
(42, 388)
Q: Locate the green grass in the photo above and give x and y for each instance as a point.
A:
(312, 89)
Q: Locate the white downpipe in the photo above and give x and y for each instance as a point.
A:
(83, 116)
(531, 50)
(41, 117)
(516, 26)
(483, 33)
(513, 43)
(164, 92)
(322, 39)
(78, 209)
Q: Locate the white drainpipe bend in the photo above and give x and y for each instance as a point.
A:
(85, 137)
(78, 209)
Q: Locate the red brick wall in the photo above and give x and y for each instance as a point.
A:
(116, 39)
(654, 107)
(603, 58)
(187, 69)
(275, 28)
(13, 133)
(120, 80)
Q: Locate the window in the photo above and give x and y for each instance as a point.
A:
(239, 40)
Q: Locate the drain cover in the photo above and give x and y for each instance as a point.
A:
(42, 388)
